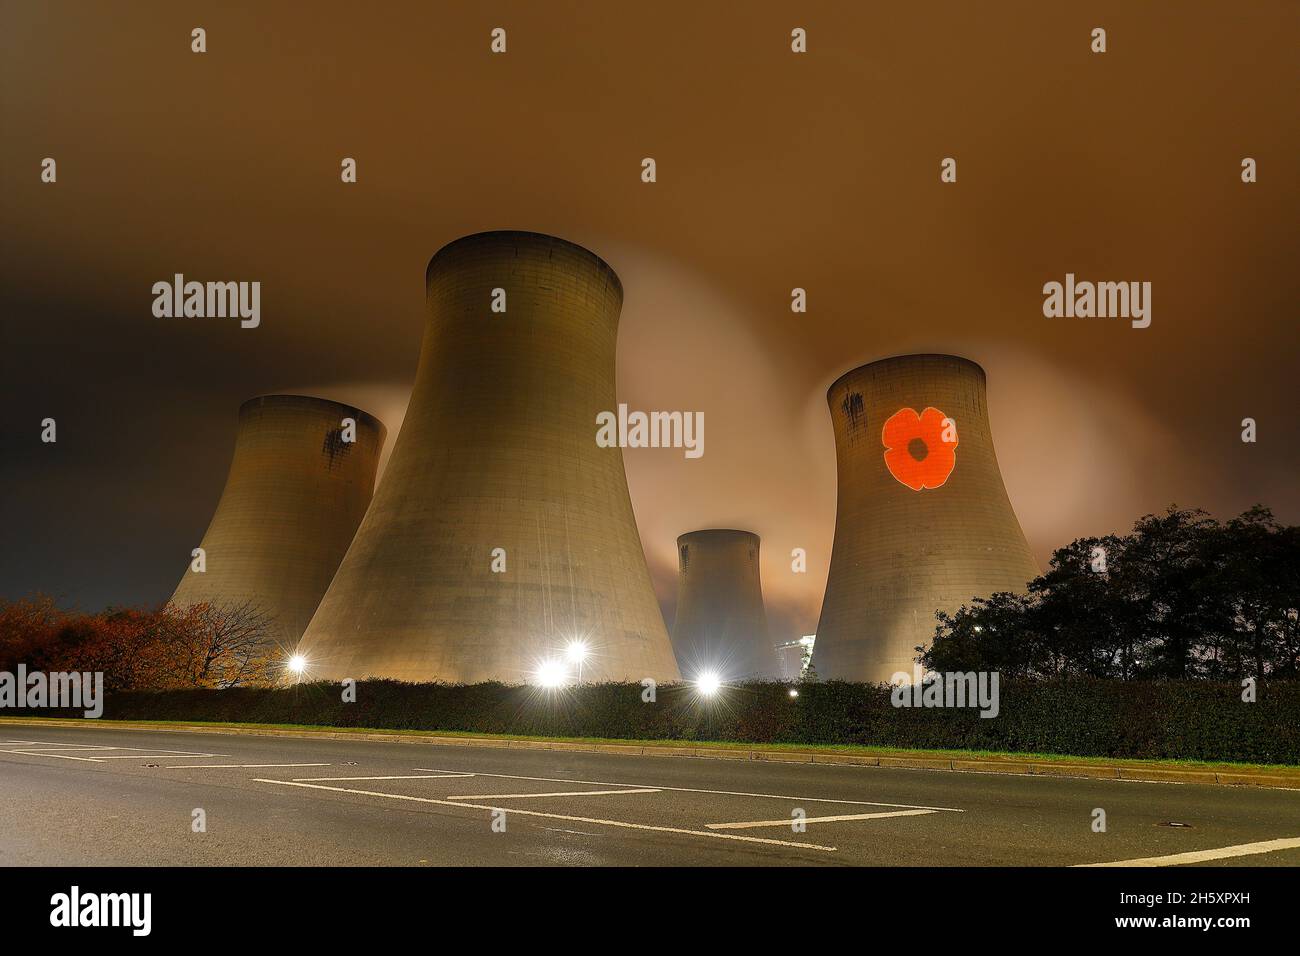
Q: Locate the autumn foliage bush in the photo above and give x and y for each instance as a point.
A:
(169, 647)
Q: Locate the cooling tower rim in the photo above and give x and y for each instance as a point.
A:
(901, 359)
(312, 401)
(717, 532)
(518, 235)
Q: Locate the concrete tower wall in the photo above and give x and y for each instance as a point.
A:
(721, 624)
(498, 450)
(912, 536)
(293, 499)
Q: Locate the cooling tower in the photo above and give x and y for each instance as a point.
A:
(501, 532)
(721, 625)
(923, 521)
(292, 502)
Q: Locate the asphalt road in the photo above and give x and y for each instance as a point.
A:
(128, 797)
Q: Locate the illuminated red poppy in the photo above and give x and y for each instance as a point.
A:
(920, 450)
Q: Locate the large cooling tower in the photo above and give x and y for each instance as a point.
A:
(292, 502)
(721, 625)
(923, 521)
(501, 532)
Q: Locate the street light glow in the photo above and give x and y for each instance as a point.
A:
(297, 663)
(577, 651)
(708, 683)
(793, 692)
(551, 674)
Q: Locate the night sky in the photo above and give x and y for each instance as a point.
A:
(775, 170)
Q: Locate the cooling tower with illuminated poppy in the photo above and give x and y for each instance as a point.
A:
(502, 536)
(923, 521)
(301, 477)
(721, 626)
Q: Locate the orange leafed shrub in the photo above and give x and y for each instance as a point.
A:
(141, 648)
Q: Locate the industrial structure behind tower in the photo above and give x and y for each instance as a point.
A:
(296, 491)
(501, 532)
(923, 521)
(721, 626)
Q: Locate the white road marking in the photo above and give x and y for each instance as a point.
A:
(421, 776)
(1201, 856)
(30, 753)
(37, 743)
(726, 793)
(566, 793)
(152, 751)
(789, 820)
(107, 753)
(239, 766)
(555, 816)
(145, 756)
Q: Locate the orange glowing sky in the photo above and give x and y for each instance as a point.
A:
(775, 171)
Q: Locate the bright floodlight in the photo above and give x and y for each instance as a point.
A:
(577, 651)
(551, 674)
(708, 683)
(793, 692)
(297, 663)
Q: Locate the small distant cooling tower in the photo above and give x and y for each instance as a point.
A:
(721, 625)
(923, 521)
(501, 532)
(293, 499)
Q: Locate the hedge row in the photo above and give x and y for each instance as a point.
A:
(1171, 720)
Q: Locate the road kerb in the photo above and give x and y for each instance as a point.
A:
(847, 760)
(992, 766)
(1168, 776)
(916, 763)
(782, 756)
(1230, 779)
(1074, 770)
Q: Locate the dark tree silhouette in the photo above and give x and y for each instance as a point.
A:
(1180, 596)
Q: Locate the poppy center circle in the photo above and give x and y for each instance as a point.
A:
(918, 449)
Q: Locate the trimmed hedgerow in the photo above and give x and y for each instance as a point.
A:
(1190, 720)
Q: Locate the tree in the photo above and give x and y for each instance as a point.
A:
(203, 645)
(1252, 596)
(219, 645)
(1180, 596)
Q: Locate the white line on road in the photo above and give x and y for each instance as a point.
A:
(52, 750)
(145, 756)
(789, 820)
(726, 793)
(239, 766)
(420, 776)
(101, 756)
(566, 793)
(556, 816)
(155, 751)
(1201, 856)
(39, 743)
(31, 753)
